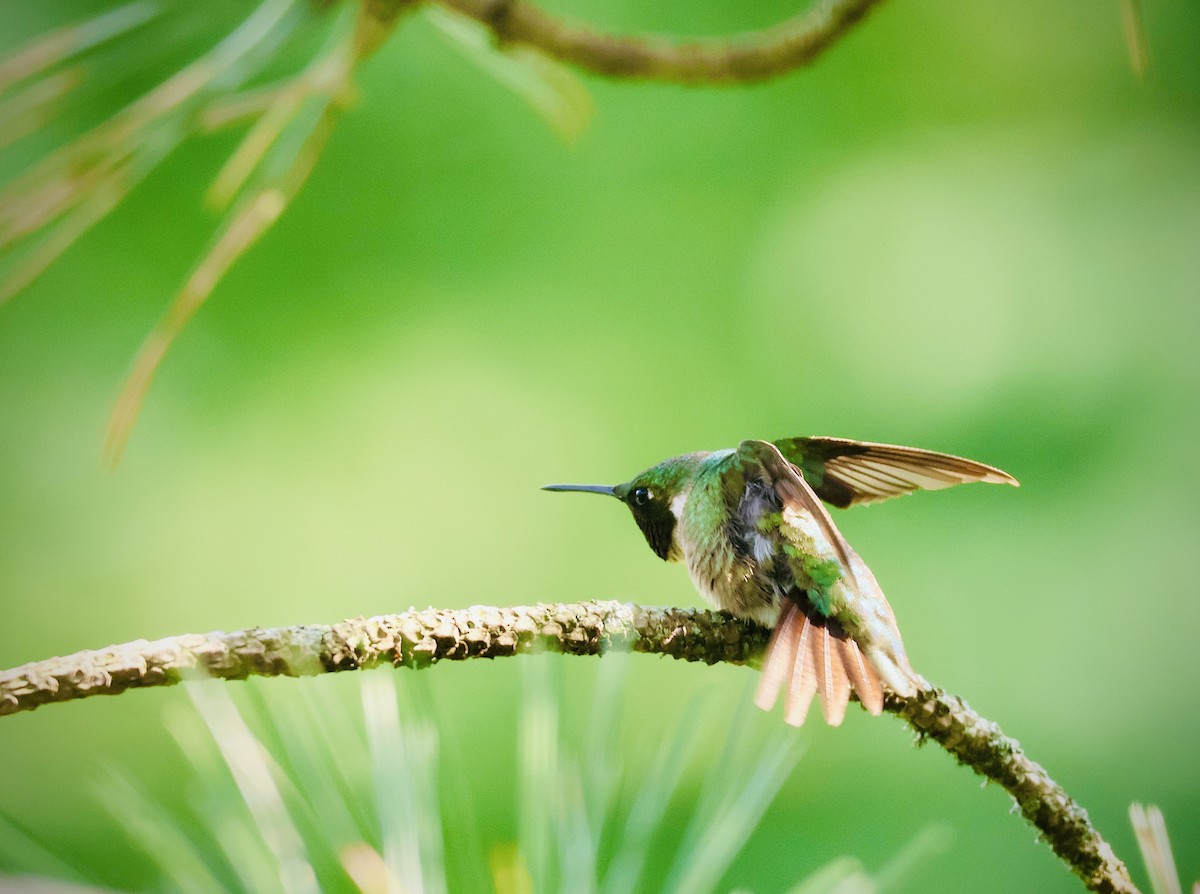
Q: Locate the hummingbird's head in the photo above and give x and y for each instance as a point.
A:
(655, 497)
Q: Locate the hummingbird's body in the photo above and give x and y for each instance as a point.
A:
(757, 541)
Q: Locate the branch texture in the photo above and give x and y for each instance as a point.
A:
(748, 57)
(419, 639)
(981, 745)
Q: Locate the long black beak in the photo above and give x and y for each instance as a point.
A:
(585, 488)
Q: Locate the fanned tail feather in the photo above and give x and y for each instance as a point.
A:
(832, 678)
(863, 677)
(803, 685)
(780, 656)
(811, 660)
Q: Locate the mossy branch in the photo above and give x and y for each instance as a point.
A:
(753, 56)
(419, 639)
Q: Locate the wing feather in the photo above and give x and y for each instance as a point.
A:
(850, 473)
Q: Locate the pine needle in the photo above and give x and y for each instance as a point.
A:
(538, 753)
(255, 217)
(1151, 831)
(157, 834)
(31, 109)
(57, 201)
(654, 794)
(1135, 36)
(551, 89)
(284, 147)
(845, 875)
(62, 44)
(247, 762)
(404, 764)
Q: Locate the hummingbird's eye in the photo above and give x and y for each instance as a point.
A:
(640, 496)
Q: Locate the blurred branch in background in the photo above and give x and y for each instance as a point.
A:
(419, 639)
(740, 59)
(48, 206)
(53, 202)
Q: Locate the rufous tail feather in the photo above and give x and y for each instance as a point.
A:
(780, 656)
(802, 685)
(810, 660)
(831, 677)
(862, 676)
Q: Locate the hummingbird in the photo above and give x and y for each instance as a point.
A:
(758, 542)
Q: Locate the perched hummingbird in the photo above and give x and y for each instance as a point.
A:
(757, 541)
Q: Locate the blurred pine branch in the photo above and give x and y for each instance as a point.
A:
(420, 639)
(49, 205)
(307, 791)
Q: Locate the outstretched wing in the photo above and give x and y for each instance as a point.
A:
(811, 654)
(849, 473)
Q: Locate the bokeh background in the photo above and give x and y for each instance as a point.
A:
(970, 228)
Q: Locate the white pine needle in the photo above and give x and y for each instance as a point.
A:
(248, 763)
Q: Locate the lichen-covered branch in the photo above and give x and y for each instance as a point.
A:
(409, 639)
(742, 58)
(421, 638)
(981, 745)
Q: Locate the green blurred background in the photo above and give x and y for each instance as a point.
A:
(969, 228)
